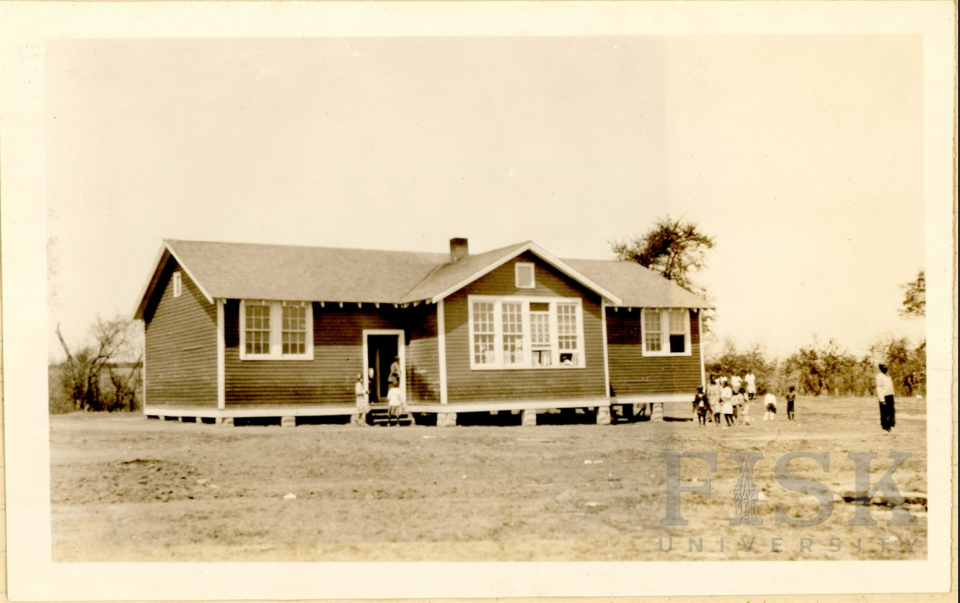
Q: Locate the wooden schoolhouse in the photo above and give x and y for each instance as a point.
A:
(237, 330)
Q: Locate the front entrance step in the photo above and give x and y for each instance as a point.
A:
(378, 415)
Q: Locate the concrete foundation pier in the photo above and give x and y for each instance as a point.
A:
(446, 419)
(529, 417)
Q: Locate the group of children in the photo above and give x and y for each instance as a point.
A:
(727, 401)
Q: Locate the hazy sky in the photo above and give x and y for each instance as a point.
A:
(801, 155)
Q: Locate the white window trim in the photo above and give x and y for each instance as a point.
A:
(665, 333)
(498, 364)
(177, 284)
(533, 275)
(276, 331)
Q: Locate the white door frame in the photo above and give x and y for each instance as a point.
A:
(401, 351)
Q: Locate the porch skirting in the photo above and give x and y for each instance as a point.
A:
(263, 411)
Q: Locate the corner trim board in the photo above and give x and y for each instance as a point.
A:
(221, 358)
(442, 350)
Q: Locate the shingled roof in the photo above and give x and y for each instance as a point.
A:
(291, 273)
(638, 287)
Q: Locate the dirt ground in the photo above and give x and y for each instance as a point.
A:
(125, 488)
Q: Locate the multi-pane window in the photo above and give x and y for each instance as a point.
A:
(483, 334)
(257, 329)
(666, 331)
(679, 321)
(567, 333)
(512, 321)
(652, 330)
(276, 330)
(540, 340)
(525, 332)
(294, 329)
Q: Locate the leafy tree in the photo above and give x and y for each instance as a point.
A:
(915, 296)
(673, 247)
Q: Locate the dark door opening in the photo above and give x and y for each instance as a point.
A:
(382, 351)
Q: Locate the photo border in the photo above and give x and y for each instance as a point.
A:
(26, 27)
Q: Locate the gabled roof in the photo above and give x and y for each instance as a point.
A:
(638, 287)
(452, 277)
(291, 273)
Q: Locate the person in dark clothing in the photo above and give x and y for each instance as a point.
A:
(888, 418)
(701, 406)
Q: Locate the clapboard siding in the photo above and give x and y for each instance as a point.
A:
(181, 344)
(465, 385)
(422, 356)
(632, 374)
(327, 379)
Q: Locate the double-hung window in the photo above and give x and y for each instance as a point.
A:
(484, 336)
(666, 332)
(540, 339)
(523, 333)
(271, 330)
(512, 321)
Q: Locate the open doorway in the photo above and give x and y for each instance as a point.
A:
(381, 349)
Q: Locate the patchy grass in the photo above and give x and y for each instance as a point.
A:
(125, 488)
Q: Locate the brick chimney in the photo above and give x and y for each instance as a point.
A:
(459, 249)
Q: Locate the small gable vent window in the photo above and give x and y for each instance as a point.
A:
(177, 284)
(524, 275)
(272, 330)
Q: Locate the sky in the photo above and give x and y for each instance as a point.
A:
(801, 155)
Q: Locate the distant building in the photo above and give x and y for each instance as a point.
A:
(240, 330)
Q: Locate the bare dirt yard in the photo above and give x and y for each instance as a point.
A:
(125, 488)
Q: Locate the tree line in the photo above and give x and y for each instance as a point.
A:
(825, 368)
(676, 249)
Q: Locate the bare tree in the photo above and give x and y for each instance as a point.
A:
(84, 372)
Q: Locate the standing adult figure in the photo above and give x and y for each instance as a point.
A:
(395, 370)
(751, 383)
(726, 405)
(888, 417)
(713, 400)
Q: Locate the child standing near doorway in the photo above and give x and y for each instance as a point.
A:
(394, 401)
(363, 400)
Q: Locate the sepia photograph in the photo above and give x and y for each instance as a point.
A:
(498, 298)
